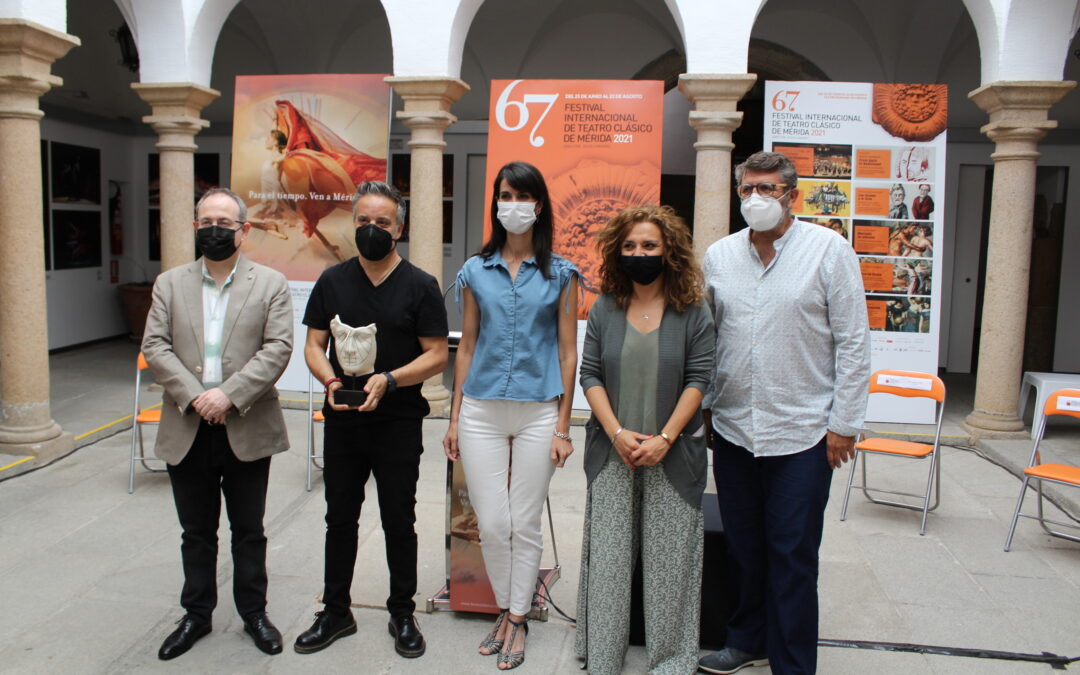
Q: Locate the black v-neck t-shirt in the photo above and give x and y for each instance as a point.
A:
(406, 306)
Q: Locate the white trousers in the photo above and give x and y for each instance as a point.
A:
(508, 489)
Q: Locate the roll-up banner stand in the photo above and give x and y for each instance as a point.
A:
(301, 145)
(871, 165)
(598, 145)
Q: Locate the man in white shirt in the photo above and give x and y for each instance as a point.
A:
(787, 399)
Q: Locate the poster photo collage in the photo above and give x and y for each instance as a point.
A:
(881, 200)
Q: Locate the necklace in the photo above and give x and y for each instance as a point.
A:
(385, 274)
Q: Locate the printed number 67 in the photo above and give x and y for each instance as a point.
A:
(522, 107)
(785, 100)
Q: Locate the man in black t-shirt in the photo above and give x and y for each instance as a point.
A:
(382, 435)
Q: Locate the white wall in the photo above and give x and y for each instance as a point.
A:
(82, 304)
(963, 226)
(1066, 354)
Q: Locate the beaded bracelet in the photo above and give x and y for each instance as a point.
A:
(326, 385)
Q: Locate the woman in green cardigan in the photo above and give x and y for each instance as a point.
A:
(647, 362)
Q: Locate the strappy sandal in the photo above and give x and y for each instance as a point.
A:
(514, 659)
(493, 642)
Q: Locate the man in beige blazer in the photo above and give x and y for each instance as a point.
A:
(218, 336)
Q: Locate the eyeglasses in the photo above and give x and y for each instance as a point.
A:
(774, 190)
(225, 223)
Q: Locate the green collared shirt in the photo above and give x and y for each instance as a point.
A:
(215, 301)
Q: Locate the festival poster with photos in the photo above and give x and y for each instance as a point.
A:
(301, 145)
(871, 165)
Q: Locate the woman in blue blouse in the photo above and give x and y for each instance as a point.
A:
(519, 330)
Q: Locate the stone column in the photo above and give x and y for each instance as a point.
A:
(27, 52)
(1018, 120)
(176, 107)
(427, 115)
(714, 117)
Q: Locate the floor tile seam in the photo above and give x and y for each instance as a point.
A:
(891, 594)
(1038, 580)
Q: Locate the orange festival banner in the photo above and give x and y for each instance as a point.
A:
(598, 144)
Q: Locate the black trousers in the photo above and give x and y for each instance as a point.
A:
(209, 470)
(390, 449)
(773, 510)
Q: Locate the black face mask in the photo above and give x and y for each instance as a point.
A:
(373, 242)
(642, 269)
(216, 243)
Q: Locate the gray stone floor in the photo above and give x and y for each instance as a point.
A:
(90, 576)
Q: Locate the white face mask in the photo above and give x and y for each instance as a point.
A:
(517, 217)
(761, 213)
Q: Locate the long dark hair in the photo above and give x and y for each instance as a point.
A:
(523, 177)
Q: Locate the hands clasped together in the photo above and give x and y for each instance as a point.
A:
(213, 405)
(637, 449)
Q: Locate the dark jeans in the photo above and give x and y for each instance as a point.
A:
(773, 511)
(390, 449)
(208, 470)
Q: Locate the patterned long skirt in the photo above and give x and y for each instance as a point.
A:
(628, 512)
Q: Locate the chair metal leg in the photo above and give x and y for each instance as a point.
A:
(131, 459)
(310, 449)
(1043, 520)
(930, 487)
(551, 526)
(1016, 513)
(142, 455)
(850, 478)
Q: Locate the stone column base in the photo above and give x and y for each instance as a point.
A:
(43, 451)
(987, 424)
(437, 395)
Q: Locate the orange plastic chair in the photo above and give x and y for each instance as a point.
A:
(314, 416)
(140, 416)
(1061, 402)
(909, 384)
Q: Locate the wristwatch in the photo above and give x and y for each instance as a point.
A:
(391, 383)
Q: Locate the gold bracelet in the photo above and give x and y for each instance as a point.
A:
(666, 438)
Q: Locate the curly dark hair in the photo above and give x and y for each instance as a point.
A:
(682, 276)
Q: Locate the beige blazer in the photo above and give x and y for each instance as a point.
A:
(256, 344)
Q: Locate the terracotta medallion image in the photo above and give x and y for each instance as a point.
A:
(913, 112)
